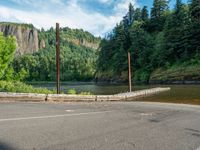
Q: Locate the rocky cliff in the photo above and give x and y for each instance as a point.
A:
(26, 35)
(84, 43)
(30, 40)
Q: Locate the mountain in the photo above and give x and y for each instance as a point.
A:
(35, 54)
(30, 39)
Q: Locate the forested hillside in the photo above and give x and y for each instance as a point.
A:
(164, 44)
(78, 57)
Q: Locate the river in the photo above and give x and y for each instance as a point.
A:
(177, 94)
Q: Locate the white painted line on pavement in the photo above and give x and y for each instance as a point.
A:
(53, 116)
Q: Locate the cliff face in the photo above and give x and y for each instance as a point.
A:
(27, 38)
(30, 40)
(84, 43)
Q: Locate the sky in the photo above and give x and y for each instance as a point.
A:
(96, 16)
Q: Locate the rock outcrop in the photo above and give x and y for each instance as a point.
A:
(27, 37)
(30, 40)
(42, 44)
(84, 43)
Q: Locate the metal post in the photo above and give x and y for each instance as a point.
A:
(58, 57)
(129, 71)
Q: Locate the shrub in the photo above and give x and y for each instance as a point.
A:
(71, 91)
(19, 87)
(86, 93)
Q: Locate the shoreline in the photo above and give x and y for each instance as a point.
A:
(177, 82)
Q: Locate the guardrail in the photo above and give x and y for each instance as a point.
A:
(79, 98)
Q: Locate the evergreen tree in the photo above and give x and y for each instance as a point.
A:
(159, 7)
(130, 14)
(176, 34)
(169, 37)
(194, 36)
(137, 15)
(158, 15)
(144, 14)
(195, 10)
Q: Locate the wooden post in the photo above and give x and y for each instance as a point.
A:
(129, 72)
(58, 57)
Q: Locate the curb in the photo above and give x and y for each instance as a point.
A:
(29, 97)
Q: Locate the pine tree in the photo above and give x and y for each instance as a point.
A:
(159, 7)
(137, 15)
(194, 37)
(158, 14)
(131, 12)
(195, 10)
(144, 14)
(175, 33)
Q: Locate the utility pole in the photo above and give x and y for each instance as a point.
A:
(129, 72)
(127, 20)
(58, 57)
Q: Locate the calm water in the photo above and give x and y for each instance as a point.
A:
(178, 93)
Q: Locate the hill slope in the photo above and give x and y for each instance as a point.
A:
(30, 39)
(36, 52)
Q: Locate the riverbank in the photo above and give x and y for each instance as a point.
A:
(177, 74)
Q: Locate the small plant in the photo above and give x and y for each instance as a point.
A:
(71, 91)
(85, 93)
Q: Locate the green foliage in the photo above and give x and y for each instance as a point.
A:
(177, 44)
(21, 75)
(71, 91)
(11, 75)
(7, 50)
(158, 15)
(168, 38)
(19, 87)
(77, 60)
(85, 93)
(24, 25)
(74, 92)
(144, 14)
(193, 36)
(189, 70)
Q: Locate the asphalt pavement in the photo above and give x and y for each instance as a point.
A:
(99, 126)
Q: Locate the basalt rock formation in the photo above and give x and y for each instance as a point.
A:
(26, 35)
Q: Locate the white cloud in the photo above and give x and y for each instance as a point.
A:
(70, 14)
(105, 1)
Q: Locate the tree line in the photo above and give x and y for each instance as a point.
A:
(159, 39)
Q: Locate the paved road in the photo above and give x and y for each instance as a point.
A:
(99, 126)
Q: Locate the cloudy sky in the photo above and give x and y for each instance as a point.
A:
(95, 16)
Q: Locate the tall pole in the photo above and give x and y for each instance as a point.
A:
(129, 71)
(58, 57)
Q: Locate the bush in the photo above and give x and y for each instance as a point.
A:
(141, 75)
(85, 93)
(71, 91)
(19, 87)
